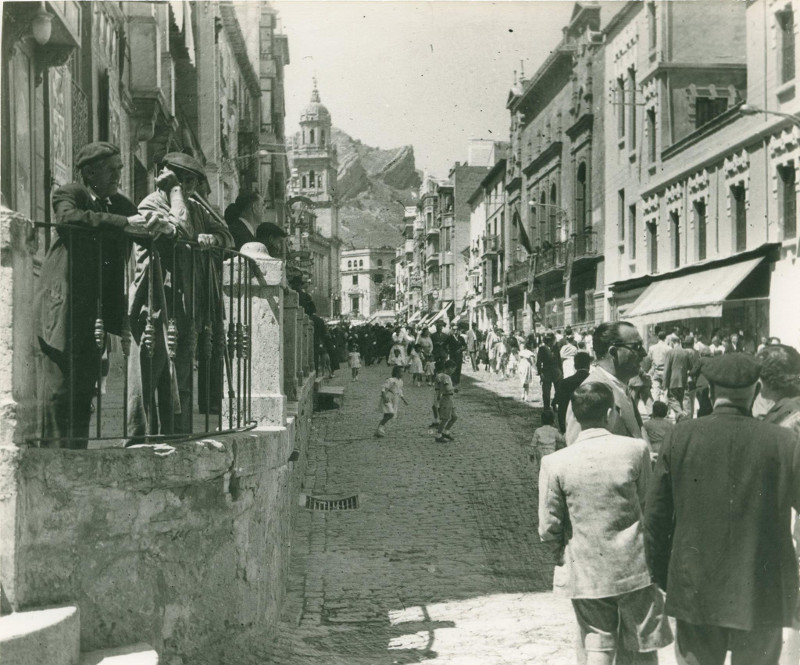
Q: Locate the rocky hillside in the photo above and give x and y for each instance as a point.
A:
(374, 185)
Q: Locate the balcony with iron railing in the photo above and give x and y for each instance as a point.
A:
(585, 246)
(491, 245)
(518, 272)
(550, 259)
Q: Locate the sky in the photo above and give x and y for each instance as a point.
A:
(427, 74)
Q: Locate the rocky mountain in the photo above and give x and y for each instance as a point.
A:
(374, 185)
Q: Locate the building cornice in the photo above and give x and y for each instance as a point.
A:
(550, 152)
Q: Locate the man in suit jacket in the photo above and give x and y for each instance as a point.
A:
(566, 387)
(718, 531)
(591, 498)
(84, 269)
(618, 346)
(680, 394)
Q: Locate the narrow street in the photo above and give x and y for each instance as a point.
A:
(441, 560)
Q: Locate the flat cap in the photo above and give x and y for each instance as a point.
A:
(180, 160)
(732, 370)
(94, 151)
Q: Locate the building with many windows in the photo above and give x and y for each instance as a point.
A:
(365, 276)
(703, 233)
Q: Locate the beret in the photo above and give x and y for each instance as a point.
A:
(181, 160)
(94, 151)
(732, 370)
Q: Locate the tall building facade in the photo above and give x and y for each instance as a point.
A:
(704, 234)
(314, 166)
(554, 182)
(365, 275)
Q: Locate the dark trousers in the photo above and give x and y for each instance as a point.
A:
(459, 361)
(65, 391)
(548, 381)
(707, 645)
(675, 401)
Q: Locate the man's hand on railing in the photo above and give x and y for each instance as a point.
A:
(206, 240)
(151, 225)
(137, 226)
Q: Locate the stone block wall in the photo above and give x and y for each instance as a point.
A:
(187, 552)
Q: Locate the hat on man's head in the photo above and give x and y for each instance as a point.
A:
(91, 152)
(269, 229)
(732, 370)
(184, 162)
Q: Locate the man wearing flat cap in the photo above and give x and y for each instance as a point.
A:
(180, 296)
(718, 533)
(80, 296)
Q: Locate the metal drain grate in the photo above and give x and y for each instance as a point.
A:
(339, 503)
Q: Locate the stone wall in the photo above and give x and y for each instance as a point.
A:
(187, 552)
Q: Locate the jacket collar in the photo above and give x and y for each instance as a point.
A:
(726, 408)
(592, 433)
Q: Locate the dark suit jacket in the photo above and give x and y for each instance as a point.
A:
(57, 295)
(676, 367)
(564, 391)
(718, 532)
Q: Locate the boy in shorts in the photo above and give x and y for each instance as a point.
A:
(445, 392)
(591, 501)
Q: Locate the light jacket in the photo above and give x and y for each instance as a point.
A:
(591, 501)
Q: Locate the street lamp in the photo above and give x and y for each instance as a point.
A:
(747, 109)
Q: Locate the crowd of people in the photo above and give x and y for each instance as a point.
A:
(669, 487)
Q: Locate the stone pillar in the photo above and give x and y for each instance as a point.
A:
(267, 280)
(18, 245)
(290, 347)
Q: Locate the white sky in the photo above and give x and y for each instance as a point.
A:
(428, 74)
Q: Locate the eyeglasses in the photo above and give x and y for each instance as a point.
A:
(636, 347)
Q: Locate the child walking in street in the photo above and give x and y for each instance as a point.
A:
(354, 360)
(430, 370)
(546, 439)
(447, 411)
(415, 365)
(391, 394)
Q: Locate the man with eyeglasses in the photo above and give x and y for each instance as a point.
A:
(619, 350)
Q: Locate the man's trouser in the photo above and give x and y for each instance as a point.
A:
(675, 401)
(707, 645)
(473, 357)
(688, 404)
(548, 380)
(65, 391)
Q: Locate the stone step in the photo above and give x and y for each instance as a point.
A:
(135, 654)
(48, 636)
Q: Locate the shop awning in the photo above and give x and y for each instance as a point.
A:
(440, 314)
(700, 294)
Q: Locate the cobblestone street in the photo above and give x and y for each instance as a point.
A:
(441, 561)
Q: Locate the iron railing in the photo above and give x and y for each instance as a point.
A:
(157, 365)
(551, 258)
(585, 245)
(518, 273)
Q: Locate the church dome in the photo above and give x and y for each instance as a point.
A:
(316, 110)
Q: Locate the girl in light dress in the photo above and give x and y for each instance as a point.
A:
(525, 371)
(430, 370)
(568, 351)
(354, 360)
(415, 365)
(389, 403)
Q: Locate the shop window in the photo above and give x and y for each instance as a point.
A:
(788, 200)
(708, 108)
(701, 223)
(652, 247)
(739, 212)
(675, 221)
(786, 36)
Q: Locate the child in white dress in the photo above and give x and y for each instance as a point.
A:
(415, 365)
(354, 360)
(391, 394)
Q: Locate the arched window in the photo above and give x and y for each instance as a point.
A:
(304, 182)
(553, 216)
(543, 219)
(349, 264)
(380, 262)
(312, 135)
(360, 263)
(322, 137)
(312, 181)
(580, 199)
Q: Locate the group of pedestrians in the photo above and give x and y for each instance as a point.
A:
(689, 516)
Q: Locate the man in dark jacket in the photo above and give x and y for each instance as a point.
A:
(567, 387)
(678, 362)
(94, 222)
(548, 365)
(718, 532)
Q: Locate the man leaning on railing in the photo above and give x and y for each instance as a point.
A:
(80, 295)
(176, 297)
